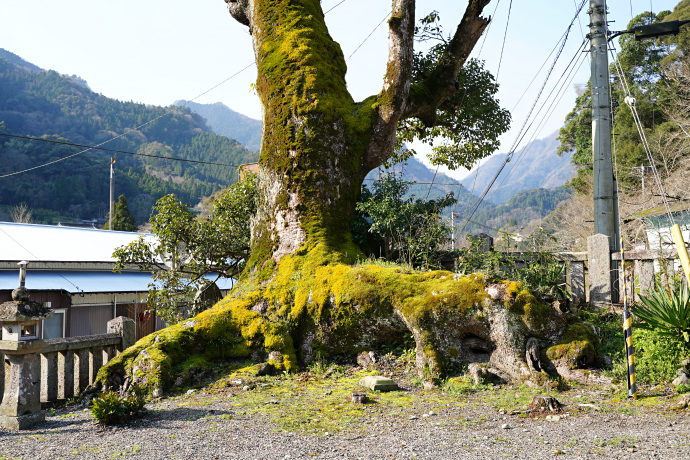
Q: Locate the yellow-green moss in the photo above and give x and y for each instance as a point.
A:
(577, 347)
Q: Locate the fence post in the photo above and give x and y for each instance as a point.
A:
(645, 271)
(125, 328)
(599, 257)
(577, 280)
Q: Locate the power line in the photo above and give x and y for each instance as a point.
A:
(167, 112)
(36, 257)
(564, 81)
(89, 147)
(523, 131)
(370, 34)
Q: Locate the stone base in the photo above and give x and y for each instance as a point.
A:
(22, 422)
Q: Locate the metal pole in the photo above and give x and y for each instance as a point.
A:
(605, 206)
(110, 214)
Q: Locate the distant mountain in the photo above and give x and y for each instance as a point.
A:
(47, 105)
(535, 166)
(226, 122)
(16, 60)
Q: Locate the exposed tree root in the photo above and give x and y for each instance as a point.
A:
(316, 308)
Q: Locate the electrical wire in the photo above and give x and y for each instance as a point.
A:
(524, 128)
(564, 81)
(370, 34)
(630, 100)
(166, 113)
(34, 255)
(89, 147)
(334, 7)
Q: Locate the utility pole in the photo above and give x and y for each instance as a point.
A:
(112, 197)
(605, 206)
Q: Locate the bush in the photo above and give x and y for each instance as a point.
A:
(657, 356)
(112, 408)
(666, 310)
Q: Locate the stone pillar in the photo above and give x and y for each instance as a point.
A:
(65, 374)
(109, 353)
(21, 404)
(645, 274)
(599, 256)
(49, 377)
(2, 375)
(81, 370)
(577, 279)
(95, 363)
(125, 328)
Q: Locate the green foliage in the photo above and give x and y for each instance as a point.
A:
(112, 408)
(519, 210)
(646, 65)
(537, 269)
(657, 356)
(412, 229)
(122, 218)
(54, 107)
(187, 248)
(666, 310)
(469, 121)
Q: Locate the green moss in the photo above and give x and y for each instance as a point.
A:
(577, 347)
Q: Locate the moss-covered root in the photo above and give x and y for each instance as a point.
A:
(231, 329)
(319, 308)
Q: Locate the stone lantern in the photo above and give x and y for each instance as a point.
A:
(21, 405)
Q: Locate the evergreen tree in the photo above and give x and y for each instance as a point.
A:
(122, 218)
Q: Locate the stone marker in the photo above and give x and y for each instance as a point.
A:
(378, 383)
(359, 398)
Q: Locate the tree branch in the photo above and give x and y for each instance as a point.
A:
(396, 83)
(239, 9)
(426, 96)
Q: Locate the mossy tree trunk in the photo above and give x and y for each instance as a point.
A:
(299, 297)
(318, 143)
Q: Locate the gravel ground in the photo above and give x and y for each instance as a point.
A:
(209, 425)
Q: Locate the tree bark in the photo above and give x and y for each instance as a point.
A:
(318, 144)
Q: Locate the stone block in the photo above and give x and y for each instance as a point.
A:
(21, 404)
(95, 363)
(81, 370)
(378, 383)
(599, 257)
(49, 377)
(124, 327)
(65, 374)
(577, 279)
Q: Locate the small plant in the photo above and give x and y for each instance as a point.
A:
(112, 408)
(666, 310)
(683, 388)
(657, 355)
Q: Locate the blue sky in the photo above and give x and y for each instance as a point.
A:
(156, 51)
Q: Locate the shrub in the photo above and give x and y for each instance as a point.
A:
(657, 356)
(666, 310)
(112, 408)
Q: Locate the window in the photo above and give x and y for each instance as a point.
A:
(54, 327)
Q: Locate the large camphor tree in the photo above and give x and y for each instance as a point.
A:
(302, 295)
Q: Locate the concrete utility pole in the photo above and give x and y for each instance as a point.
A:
(112, 197)
(605, 204)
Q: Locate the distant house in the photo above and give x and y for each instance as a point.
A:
(71, 268)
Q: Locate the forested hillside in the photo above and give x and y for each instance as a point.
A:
(226, 122)
(45, 104)
(537, 165)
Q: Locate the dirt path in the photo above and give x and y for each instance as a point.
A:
(308, 416)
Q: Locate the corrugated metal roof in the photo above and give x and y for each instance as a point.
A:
(33, 242)
(86, 281)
